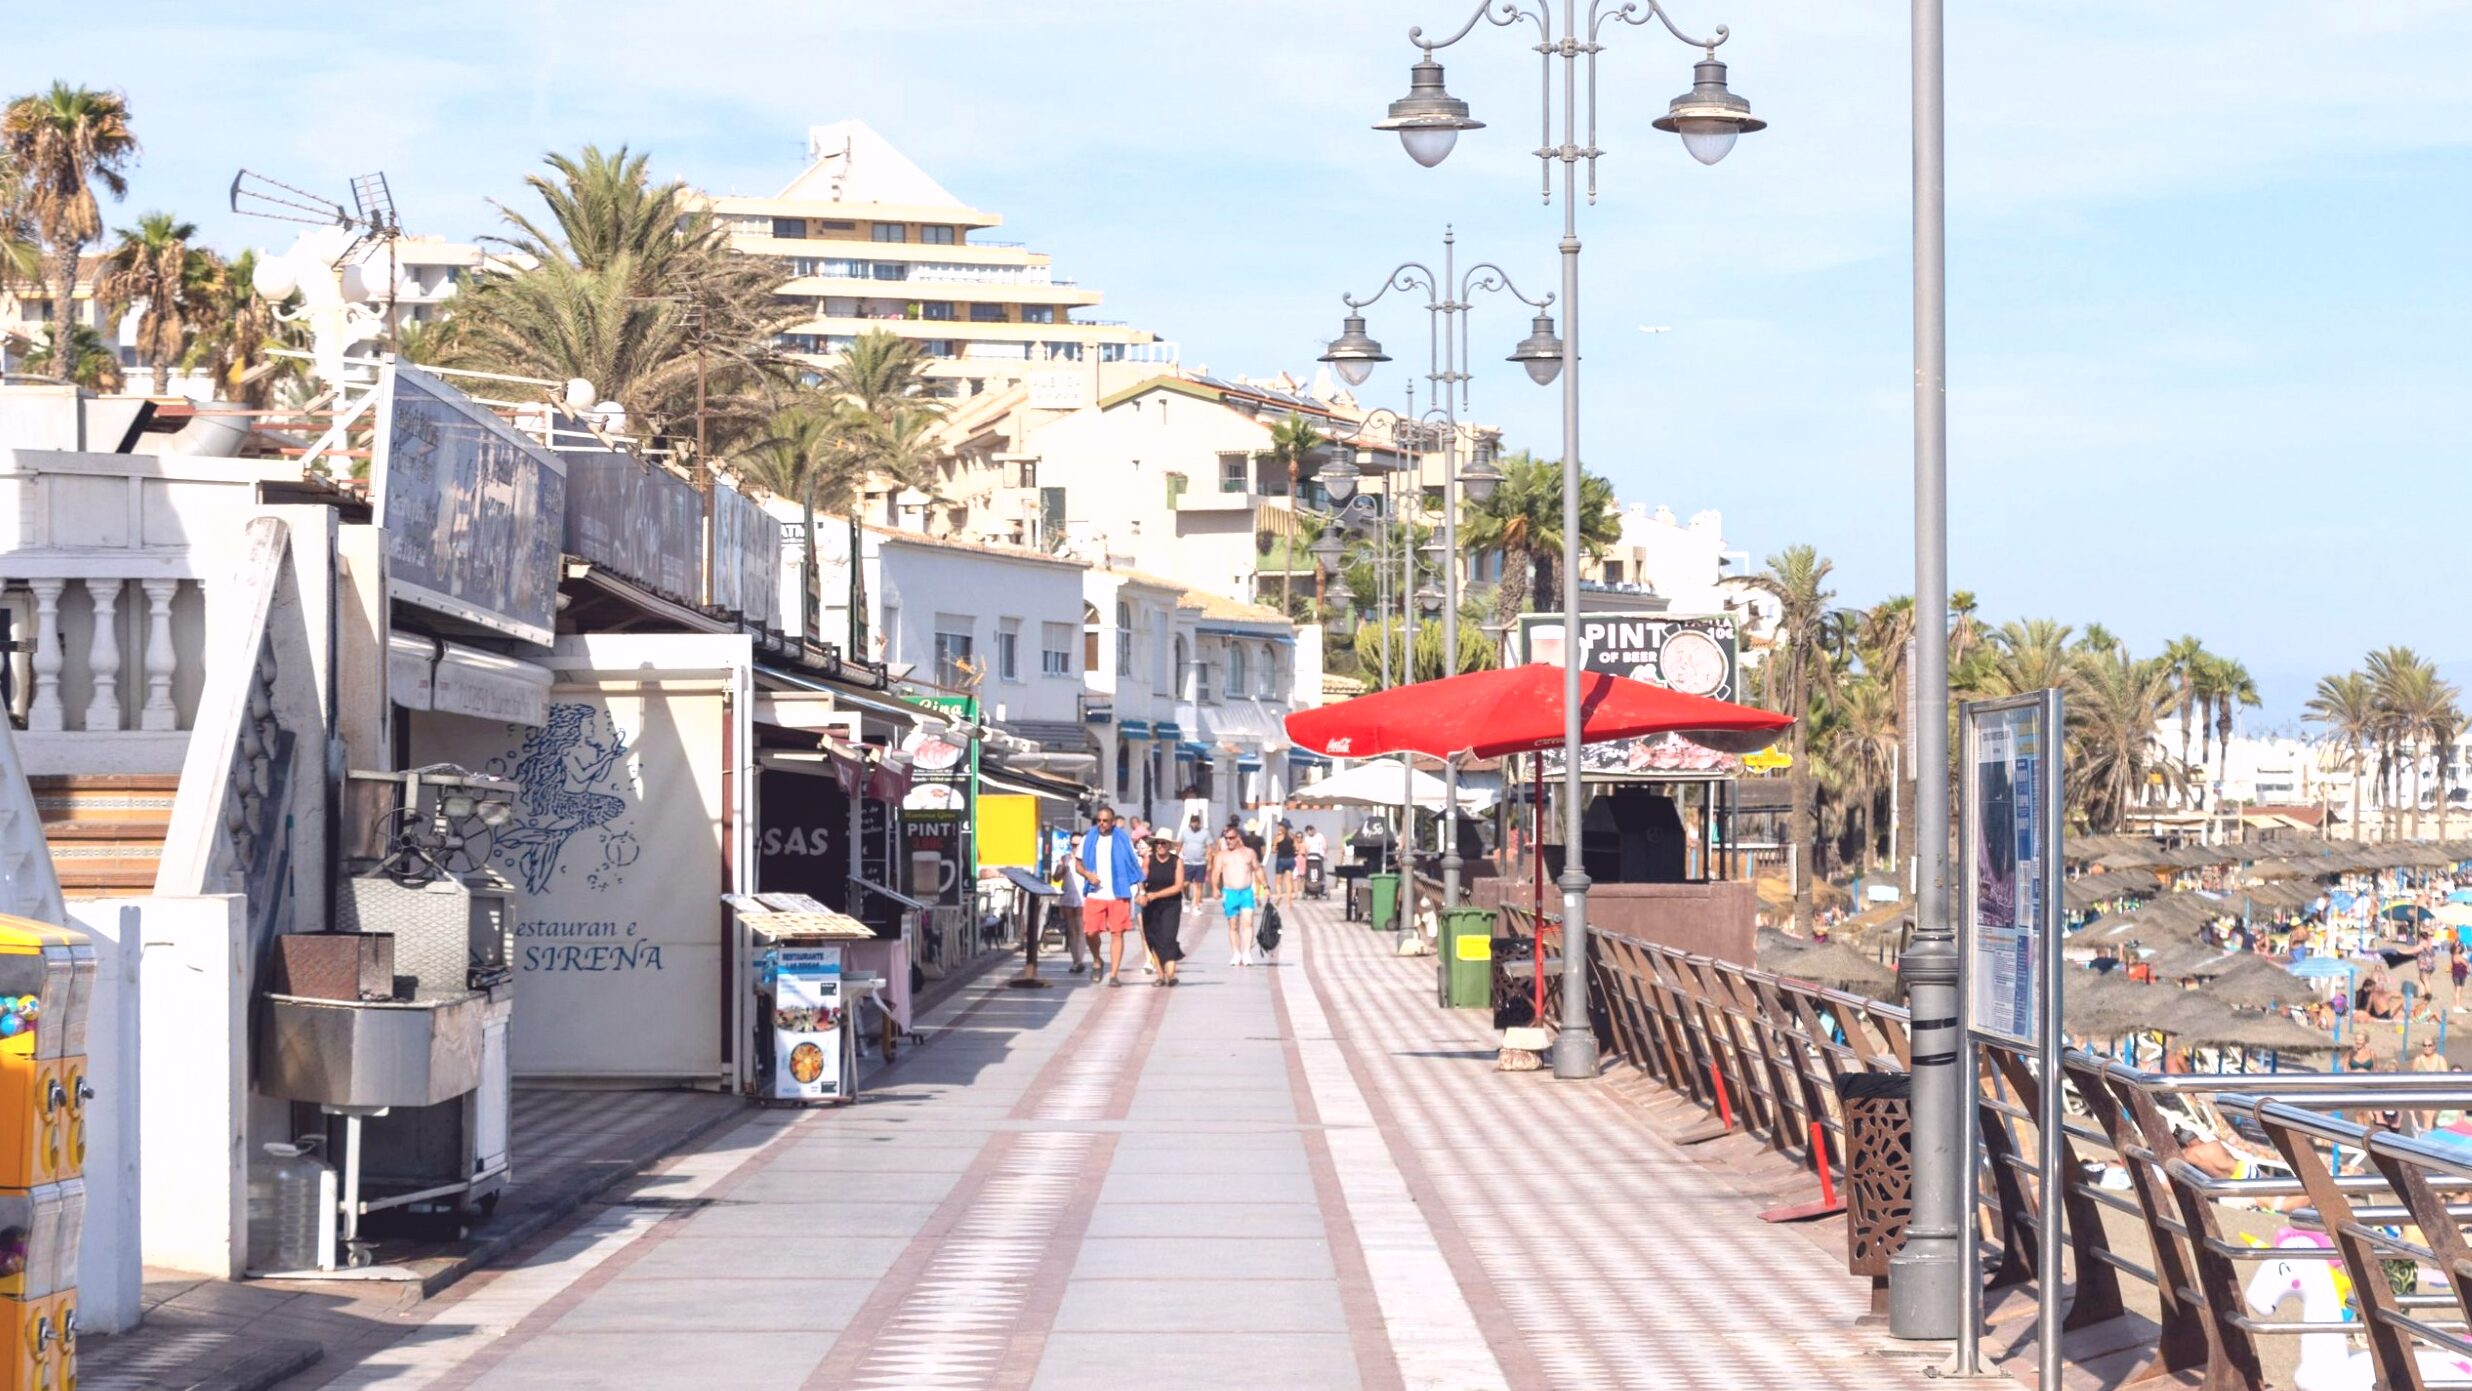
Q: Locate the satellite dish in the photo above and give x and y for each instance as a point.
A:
(275, 279)
(579, 395)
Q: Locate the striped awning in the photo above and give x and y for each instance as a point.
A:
(1134, 729)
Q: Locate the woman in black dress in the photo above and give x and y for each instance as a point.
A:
(1162, 904)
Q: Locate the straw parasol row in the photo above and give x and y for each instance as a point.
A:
(1838, 966)
(2108, 1006)
(2180, 915)
(2288, 859)
(2092, 890)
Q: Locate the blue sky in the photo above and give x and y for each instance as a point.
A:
(2208, 362)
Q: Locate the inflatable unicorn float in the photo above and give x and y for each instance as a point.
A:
(2327, 1361)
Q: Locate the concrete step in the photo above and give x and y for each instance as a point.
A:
(105, 830)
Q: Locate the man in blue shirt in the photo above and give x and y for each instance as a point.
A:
(1110, 873)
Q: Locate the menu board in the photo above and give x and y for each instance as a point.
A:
(936, 814)
(2012, 862)
(806, 1022)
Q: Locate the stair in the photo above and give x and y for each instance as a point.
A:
(105, 830)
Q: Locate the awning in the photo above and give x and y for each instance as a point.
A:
(1167, 730)
(1135, 729)
(1250, 763)
(1027, 784)
(1052, 736)
(1243, 723)
(452, 679)
(1192, 751)
(873, 702)
(1306, 758)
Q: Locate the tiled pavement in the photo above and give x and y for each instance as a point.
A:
(1300, 1176)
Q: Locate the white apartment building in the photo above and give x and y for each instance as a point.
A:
(1688, 565)
(866, 240)
(1141, 630)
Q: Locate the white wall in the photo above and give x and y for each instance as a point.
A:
(918, 581)
(193, 1099)
(1113, 465)
(109, 1264)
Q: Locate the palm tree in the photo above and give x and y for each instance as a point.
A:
(1867, 735)
(2186, 657)
(629, 288)
(1796, 669)
(2114, 755)
(814, 453)
(234, 328)
(1522, 519)
(2031, 655)
(2230, 684)
(2410, 699)
(90, 361)
(2348, 706)
(155, 264)
(2445, 726)
(1887, 644)
(64, 143)
(1292, 441)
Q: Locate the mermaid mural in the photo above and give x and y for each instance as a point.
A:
(571, 776)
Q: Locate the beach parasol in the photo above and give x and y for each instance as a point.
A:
(1840, 967)
(1520, 710)
(1378, 783)
(2254, 983)
(2108, 1005)
(2272, 1032)
(2454, 914)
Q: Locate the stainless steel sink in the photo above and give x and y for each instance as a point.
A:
(409, 1053)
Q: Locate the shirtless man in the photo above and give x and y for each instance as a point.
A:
(1236, 872)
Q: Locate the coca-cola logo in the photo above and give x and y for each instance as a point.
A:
(1342, 745)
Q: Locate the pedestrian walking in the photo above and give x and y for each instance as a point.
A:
(2428, 966)
(2458, 966)
(1069, 906)
(1283, 863)
(1193, 845)
(1237, 875)
(1162, 903)
(1110, 872)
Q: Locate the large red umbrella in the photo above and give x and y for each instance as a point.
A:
(1519, 710)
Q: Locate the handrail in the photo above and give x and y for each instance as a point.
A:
(1764, 1050)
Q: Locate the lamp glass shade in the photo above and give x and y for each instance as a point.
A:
(1428, 145)
(1540, 352)
(1354, 351)
(1353, 370)
(1708, 141)
(1429, 599)
(1339, 480)
(275, 279)
(1543, 370)
(1480, 481)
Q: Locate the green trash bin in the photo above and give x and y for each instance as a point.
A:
(1383, 912)
(1467, 958)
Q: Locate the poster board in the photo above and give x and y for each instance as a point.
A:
(627, 799)
(938, 813)
(806, 1022)
(1008, 831)
(2011, 830)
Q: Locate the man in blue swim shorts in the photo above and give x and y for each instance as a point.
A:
(1236, 872)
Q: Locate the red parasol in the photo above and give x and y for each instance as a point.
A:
(1519, 710)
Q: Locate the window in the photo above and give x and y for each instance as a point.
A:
(1177, 483)
(790, 228)
(954, 651)
(1124, 638)
(1008, 650)
(1234, 472)
(1055, 649)
(1269, 687)
(987, 313)
(939, 310)
(1090, 637)
(1235, 669)
(891, 231)
(1184, 667)
(1038, 313)
(936, 236)
(831, 226)
(938, 347)
(888, 270)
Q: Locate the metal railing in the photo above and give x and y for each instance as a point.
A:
(2170, 1175)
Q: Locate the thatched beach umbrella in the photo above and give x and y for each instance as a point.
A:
(2277, 1033)
(1771, 948)
(2254, 983)
(1840, 967)
(2109, 1005)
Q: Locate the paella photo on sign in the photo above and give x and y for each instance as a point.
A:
(806, 1062)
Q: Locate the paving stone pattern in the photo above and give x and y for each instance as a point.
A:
(1295, 1175)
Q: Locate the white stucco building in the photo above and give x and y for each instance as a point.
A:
(1687, 564)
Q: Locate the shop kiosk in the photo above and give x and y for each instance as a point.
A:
(806, 1004)
(46, 974)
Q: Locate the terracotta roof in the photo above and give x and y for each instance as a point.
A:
(954, 543)
(1334, 684)
(1235, 611)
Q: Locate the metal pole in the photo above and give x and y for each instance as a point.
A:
(1924, 1297)
(1447, 371)
(1575, 1044)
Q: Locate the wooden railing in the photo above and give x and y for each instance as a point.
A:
(2228, 1195)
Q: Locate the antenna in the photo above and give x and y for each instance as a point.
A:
(371, 220)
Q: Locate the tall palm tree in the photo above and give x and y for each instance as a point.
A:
(2347, 706)
(1522, 519)
(1796, 669)
(1887, 644)
(1868, 717)
(814, 453)
(2445, 726)
(2032, 655)
(154, 264)
(2186, 657)
(2230, 685)
(2410, 698)
(234, 328)
(2114, 755)
(65, 143)
(1292, 441)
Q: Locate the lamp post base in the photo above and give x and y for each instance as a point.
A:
(1575, 1054)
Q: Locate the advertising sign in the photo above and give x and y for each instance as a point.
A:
(1695, 654)
(475, 512)
(806, 1022)
(937, 814)
(640, 521)
(2012, 774)
(802, 842)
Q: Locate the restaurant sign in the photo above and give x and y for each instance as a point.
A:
(1695, 654)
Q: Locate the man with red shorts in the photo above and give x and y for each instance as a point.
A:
(1110, 873)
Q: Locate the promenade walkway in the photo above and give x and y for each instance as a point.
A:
(1301, 1176)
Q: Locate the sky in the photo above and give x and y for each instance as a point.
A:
(2208, 289)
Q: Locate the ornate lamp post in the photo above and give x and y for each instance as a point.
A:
(1429, 119)
(1355, 353)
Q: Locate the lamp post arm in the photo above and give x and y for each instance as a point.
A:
(1505, 13)
(1404, 276)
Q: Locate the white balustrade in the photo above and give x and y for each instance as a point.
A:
(159, 713)
(45, 714)
(103, 656)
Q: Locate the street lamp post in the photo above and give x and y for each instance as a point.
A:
(1354, 354)
(1708, 118)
